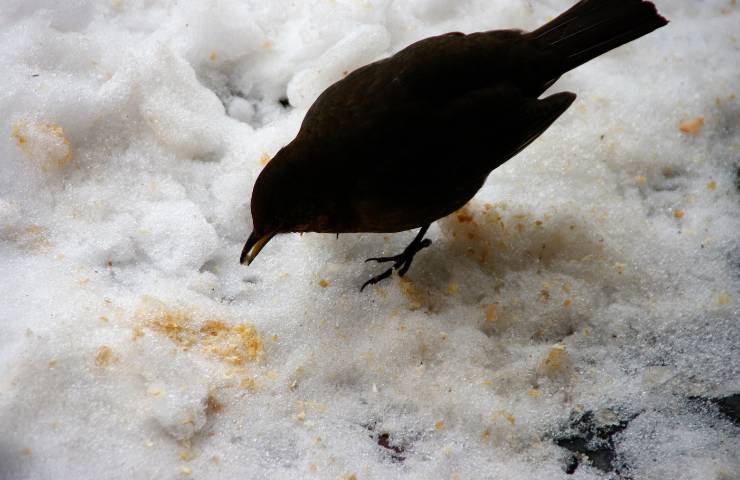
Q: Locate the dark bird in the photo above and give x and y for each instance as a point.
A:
(403, 141)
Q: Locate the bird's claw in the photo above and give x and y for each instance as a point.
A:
(377, 279)
(402, 261)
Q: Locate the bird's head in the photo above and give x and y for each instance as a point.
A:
(282, 202)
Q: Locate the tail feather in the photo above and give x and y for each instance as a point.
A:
(593, 27)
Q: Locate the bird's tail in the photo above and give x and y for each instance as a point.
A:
(593, 27)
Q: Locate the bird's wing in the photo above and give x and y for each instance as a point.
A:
(437, 69)
(431, 158)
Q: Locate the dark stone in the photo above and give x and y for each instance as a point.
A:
(395, 450)
(590, 441)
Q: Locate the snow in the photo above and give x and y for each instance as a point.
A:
(596, 276)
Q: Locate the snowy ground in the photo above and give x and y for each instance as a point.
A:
(589, 296)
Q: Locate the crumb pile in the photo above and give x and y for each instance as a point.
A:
(578, 319)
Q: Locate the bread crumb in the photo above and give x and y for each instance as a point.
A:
(491, 310)
(26, 451)
(212, 404)
(505, 415)
(212, 56)
(452, 288)
(534, 393)
(43, 143)
(678, 214)
(264, 159)
(567, 303)
(237, 344)
(323, 283)
(105, 356)
(439, 425)
(692, 127)
(248, 384)
(185, 470)
(463, 216)
(556, 363)
(712, 185)
(641, 180)
(723, 298)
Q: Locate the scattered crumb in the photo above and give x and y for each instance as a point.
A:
(452, 288)
(264, 159)
(235, 344)
(185, 470)
(723, 298)
(491, 311)
(678, 214)
(534, 393)
(248, 384)
(105, 357)
(439, 425)
(712, 185)
(556, 363)
(692, 127)
(213, 405)
(463, 215)
(323, 283)
(641, 180)
(44, 143)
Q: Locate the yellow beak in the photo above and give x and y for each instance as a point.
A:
(253, 246)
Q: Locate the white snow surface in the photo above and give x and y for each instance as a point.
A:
(598, 271)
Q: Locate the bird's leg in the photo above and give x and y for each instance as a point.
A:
(403, 260)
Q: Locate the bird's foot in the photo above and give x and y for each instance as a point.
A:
(402, 261)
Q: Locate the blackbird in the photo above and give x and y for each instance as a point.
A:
(404, 141)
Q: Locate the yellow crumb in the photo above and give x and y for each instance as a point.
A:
(641, 180)
(556, 362)
(212, 404)
(154, 392)
(534, 393)
(505, 415)
(264, 159)
(212, 56)
(723, 298)
(237, 344)
(105, 357)
(678, 213)
(44, 143)
(439, 425)
(323, 283)
(452, 288)
(692, 127)
(463, 216)
(137, 333)
(185, 470)
(567, 303)
(248, 384)
(26, 451)
(491, 310)
(712, 185)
